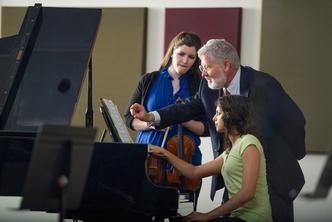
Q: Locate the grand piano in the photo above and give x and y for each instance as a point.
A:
(42, 70)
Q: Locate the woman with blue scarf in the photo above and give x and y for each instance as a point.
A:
(177, 79)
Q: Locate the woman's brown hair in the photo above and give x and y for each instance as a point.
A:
(183, 38)
(238, 114)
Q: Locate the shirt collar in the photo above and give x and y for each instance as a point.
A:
(165, 72)
(234, 85)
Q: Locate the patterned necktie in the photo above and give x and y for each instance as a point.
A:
(226, 92)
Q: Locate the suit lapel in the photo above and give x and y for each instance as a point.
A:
(247, 75)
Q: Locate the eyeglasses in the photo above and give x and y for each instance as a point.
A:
(203, 68)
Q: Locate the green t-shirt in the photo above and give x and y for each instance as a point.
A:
(259, 208)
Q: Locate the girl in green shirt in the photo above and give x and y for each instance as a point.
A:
(242, 165)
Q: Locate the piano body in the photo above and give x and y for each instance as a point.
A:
(42, 69)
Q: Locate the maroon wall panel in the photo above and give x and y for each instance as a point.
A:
(208, 23)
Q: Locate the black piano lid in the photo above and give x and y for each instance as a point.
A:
(42, 67)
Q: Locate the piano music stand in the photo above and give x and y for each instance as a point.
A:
(58, 169)
(114, 122)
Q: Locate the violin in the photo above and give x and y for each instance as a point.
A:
(155, 165)
(182, 146)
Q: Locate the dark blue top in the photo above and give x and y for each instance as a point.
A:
(159, 96)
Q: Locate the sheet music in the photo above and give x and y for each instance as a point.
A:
(116, 119)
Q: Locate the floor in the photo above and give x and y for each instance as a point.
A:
(306, 210)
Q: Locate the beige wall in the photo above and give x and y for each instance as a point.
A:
(296, 49)
(251, 21)
(118, 57)
(118, 61)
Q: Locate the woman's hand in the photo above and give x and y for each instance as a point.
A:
(157, 151)
(196, 216)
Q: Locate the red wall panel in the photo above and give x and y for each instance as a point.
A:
(208, 23)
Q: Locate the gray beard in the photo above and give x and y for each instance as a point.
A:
(217, 83)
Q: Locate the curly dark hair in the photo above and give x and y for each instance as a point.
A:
(237, 114)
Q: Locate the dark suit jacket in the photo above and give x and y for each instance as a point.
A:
(278, 118)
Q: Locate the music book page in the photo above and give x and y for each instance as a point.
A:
(115, 118)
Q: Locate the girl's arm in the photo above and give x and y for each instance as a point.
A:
(195, 126)
(194, 172)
